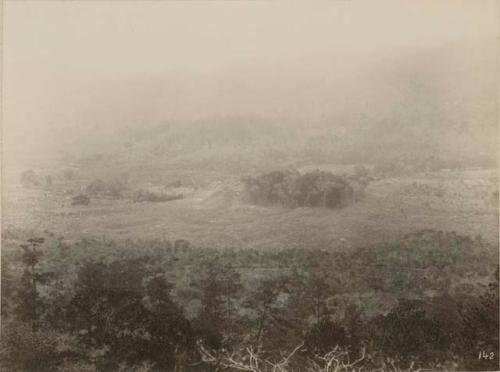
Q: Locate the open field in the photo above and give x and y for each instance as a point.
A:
(215, 216)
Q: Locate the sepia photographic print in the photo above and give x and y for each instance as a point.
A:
(285, 186)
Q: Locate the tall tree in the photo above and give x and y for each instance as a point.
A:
(267, 302)
(219, 287)
(170, 333)
(28, 296)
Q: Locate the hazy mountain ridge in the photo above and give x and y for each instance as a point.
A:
(419, 103)
(410, 103)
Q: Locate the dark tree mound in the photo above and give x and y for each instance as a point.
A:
(291, 189)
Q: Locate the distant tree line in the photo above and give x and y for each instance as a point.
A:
(409, 165)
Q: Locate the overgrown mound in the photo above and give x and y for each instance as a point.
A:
(292, 189)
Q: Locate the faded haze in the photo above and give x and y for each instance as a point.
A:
(87, 68)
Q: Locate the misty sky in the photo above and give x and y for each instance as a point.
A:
(154, 37)
(56, 54)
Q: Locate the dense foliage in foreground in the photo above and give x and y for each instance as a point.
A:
(428, 300)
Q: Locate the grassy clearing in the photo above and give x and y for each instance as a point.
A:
(214, 215)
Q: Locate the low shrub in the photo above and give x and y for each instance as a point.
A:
(81, 199)
(148, 196)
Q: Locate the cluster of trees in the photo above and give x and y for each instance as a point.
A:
(80, 199)
(291, 189)
(149, 196)
(30, 178)
(114, 188)
(161, 306)
(117, 189)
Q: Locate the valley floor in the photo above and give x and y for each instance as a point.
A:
(215, 215)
